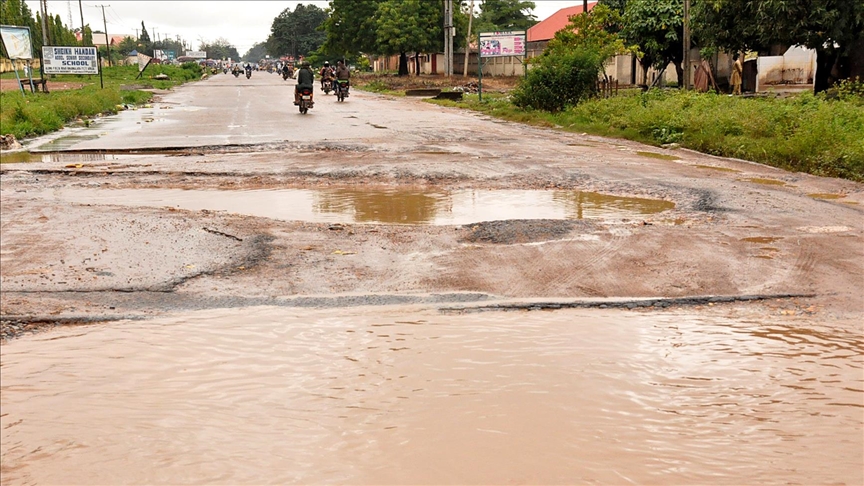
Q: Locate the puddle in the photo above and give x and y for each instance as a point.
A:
(765, 182)
(762, 239)
(655, 155)
(712, 167)
(395, 396)
(390, 206)
(63, 158)
(826, 196)
(123, 122)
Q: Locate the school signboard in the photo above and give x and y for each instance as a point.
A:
(69, 60)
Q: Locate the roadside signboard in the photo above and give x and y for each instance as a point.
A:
(69, 60)
(16, 40)
(196, 54)
(499, 44)
(170, 55)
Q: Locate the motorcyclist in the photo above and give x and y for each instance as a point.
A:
(342, 73)
(326, 73)
(305, 79)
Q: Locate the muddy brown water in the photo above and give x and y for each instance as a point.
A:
(369, 205)
(411, 396)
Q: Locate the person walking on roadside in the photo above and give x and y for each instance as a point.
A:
(737, 71)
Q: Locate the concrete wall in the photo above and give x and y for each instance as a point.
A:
(797, 67)
(7, 66)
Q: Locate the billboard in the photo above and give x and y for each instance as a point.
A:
(500, 44)
(16, 40)
(69, 60)
(196, 54)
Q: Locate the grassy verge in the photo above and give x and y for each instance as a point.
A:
(804, 133)
(40, 113)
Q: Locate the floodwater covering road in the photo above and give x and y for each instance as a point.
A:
(384, 291)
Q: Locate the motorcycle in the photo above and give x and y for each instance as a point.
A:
(327, 86)
(341, 89)
(236, 73)
(248, 73)
(287, 73)
(306, 100)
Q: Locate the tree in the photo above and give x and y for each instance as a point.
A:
(297, 33)
(595, 30)
(351, 26)
(87, 36)
(127, 45)
(144, 37)
(505, 15)
(256, 53)
(834, 28)
(656, 27)
(409, 26)
(219, 49)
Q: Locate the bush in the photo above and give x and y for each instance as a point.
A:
(558, 80)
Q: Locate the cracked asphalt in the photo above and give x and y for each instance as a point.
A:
(745, 235)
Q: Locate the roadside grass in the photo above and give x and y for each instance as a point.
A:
(40, 113)
(803, 133)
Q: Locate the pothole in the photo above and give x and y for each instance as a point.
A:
(655, 155)
(762, 239)
(765, 182)
(713, 167)
(379, 205)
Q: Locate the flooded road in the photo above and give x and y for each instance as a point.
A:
(381, 205)
(411, 396)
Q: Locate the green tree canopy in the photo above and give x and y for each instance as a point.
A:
(256, 53)
(351, 27)
(656, 27)
(144, 37)
(505, 15)
(220, 49)
(409, 26)
(297, 33)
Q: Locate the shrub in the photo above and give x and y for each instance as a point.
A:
(558, 80)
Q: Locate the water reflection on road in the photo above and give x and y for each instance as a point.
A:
(379, 205)
(269, 395)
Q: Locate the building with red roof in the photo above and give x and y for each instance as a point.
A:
(545, 30)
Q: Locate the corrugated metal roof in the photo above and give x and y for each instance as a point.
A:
(546, 29)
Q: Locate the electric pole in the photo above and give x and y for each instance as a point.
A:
(81, 9)
(468, 38)
(686, 61)
(448, 37)
(43, 5)
(584, 6)
(107, 40)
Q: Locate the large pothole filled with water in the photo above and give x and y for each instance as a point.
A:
(379, 205)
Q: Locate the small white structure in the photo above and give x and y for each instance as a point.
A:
(794, 69)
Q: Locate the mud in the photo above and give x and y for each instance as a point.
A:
(67, 261)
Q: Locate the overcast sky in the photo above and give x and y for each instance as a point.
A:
(242, 22)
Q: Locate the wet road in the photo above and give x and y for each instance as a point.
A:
(225, 110)
(331, 271)
(405, 396)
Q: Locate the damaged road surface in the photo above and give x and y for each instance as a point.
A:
(222, 197)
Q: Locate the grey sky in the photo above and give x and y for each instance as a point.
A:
(241, 22)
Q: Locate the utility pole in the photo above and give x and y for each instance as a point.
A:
(468, 39)
(107, 40)
(81, 9)
(448, 38)
(686, 45)
(43, 5)
(584, 6)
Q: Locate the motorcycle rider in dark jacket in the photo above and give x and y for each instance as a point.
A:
(305, 79)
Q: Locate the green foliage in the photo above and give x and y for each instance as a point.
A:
(221, 48)
(297, 33)
(350, 27)
(409, 26)
(851, 90)
(256, 53)
(596, 30)
(656, 27)
(505, 15)
(559, 79)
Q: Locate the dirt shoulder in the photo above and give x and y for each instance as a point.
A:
(10, 84)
